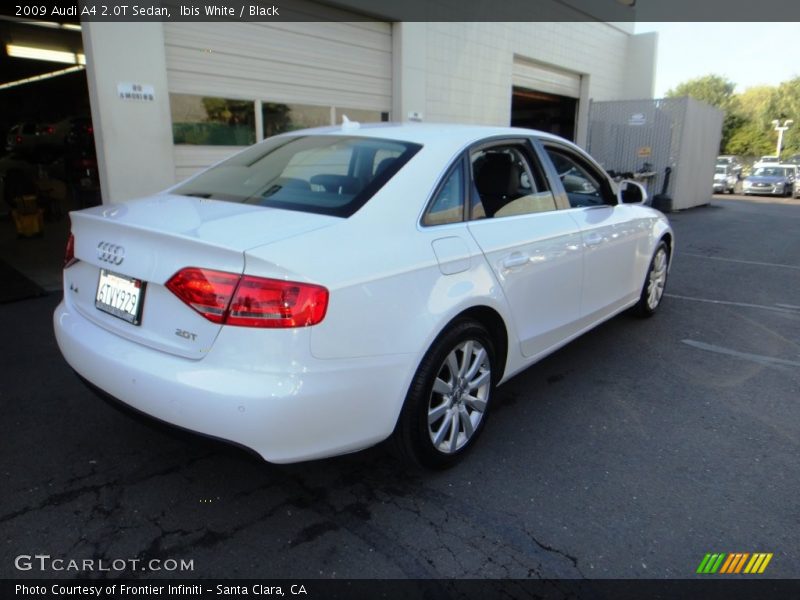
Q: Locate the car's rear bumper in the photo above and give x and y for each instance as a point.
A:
(307, 409)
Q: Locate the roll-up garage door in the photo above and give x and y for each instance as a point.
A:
(543, 78)
(314, 70)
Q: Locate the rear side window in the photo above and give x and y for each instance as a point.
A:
(447, 205)
(508, 183)
(325, 174)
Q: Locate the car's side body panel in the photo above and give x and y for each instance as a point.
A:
(538, 262)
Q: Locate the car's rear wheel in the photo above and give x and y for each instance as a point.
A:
(655, 282)
(449, 399)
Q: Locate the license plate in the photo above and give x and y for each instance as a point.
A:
(120, 296)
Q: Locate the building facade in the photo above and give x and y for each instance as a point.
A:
(201, 91)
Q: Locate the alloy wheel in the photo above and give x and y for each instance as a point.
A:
(459, 396)
(657, 279)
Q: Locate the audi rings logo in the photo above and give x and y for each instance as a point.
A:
(110, 253)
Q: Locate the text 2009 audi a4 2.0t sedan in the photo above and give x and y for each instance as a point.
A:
(326, 289)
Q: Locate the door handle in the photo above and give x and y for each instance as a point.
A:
(515, 259)
(593, 239)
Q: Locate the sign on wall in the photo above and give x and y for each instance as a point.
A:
(136, 91)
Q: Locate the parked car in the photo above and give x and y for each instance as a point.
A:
(793, 175)
(327, 289)
(724, 180)
(75, 132)
(770, 180)
(767, 159)
(22, 137)
(732, 163)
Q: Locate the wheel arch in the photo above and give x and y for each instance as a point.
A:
(404, 439)
(667, 238)
(495, 325)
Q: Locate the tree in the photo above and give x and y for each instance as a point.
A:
(716, 91)
(755, 136)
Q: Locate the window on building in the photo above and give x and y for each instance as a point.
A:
(280, 118)
(360, 115)
(210, 121)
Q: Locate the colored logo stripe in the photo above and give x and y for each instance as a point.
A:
(710, 563)
(734, 563)
(758, 563)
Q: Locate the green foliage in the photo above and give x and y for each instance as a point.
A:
(748, 128)
(716, 91)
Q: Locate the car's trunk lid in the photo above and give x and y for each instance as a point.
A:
(150, 240)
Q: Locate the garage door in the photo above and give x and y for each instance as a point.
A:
(325, 68)
(543, 78)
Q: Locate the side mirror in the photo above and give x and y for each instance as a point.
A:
(631, 192)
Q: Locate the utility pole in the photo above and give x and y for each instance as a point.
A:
(780, 129)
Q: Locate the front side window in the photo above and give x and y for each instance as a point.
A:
(325, 174)
(583, 185)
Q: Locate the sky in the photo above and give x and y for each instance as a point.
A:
(748, 54)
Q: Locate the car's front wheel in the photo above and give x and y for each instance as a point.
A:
(448, 401)
(654, 284)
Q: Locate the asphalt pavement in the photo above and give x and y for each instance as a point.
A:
(630, 453)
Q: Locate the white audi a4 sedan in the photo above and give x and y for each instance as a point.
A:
(327, 289)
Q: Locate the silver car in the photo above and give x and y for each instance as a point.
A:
(770, 180)
(724, 180)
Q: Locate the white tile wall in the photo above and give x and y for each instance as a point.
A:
(469, 65)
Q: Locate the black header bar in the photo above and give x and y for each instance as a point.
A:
(406, 10)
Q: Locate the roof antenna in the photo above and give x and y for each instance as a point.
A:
(348, 125)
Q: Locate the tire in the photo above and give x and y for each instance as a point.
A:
(449, 399)
(654, 283)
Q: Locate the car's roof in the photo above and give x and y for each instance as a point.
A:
(424, 133)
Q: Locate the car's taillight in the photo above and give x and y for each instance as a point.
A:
(260, 302)
(69, 252)
(247, 301)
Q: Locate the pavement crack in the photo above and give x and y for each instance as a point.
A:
(554, 550)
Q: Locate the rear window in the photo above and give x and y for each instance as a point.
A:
(331, 175)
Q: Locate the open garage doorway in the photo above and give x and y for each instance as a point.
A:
(543, 111)
(48, 163)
